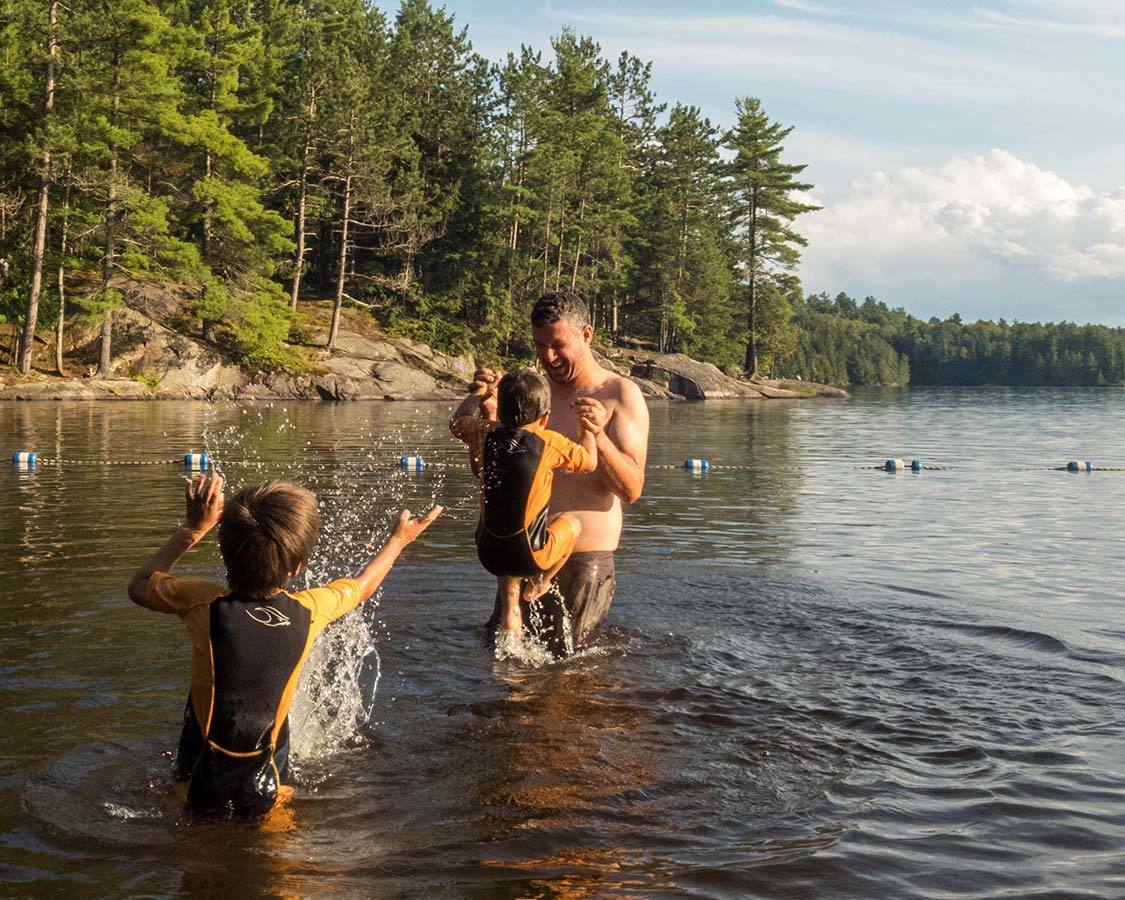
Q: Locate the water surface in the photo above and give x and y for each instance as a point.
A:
(819, 679)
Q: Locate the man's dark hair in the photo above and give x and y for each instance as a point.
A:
(522, 397)
(559, 305)
(266, 533)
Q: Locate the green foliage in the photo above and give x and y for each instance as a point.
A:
(762, 212)
(149, 380)
(261, 320)
(92, 308)
(843, 342)
(213, 302)
(191, 138)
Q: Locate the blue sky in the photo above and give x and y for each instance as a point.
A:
(969, 156)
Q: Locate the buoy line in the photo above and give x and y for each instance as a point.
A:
(198, 462)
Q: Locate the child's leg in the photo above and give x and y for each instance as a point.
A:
(511, 621)
(534, 588)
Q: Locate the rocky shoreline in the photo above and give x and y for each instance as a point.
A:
(155, 360)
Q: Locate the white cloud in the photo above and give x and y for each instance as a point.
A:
(964, 227)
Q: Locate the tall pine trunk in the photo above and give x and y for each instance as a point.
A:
(205, 237)
(342, 274)
(751, 366)
(346, 221)
(60, 325)
(302, 202)
(39, 240)
(110, 224)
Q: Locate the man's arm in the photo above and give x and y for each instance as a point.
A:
(622, 442)
(204, 498)
(469, 409)
(589, 443)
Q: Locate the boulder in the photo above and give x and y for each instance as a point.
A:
(86, 389)
(348, 343)
(692, 379)
(403, 382)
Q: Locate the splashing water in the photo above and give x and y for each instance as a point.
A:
(527, 650)
(358, 490)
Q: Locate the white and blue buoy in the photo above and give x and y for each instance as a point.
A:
(412, 463)
(196, 461)
(1076, 466)
(894, 465)
(24, 459)
(915, 465)
(697, 466)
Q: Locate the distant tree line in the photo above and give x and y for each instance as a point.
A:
(841, 341)
(265, 152)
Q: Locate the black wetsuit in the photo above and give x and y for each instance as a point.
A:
(246, 661)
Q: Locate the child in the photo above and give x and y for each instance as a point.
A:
(249, 640)
(516, 536)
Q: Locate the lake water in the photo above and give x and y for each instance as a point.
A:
(820, 680)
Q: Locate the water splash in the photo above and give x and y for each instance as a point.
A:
(526, 649)
(359, 488)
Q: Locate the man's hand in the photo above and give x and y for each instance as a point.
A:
(204, 502)
(407, 528)
(591, 415)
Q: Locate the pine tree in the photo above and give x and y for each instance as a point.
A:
(684, 271)
(125, 111)
(762, 213)
(39, 239)
(239, 238)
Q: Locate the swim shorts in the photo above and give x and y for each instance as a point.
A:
(570, 616)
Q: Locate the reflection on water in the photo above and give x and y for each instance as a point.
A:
(818, 680)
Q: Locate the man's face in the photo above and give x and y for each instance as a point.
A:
(561, 348)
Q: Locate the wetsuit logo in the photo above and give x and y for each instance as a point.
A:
(267, 615)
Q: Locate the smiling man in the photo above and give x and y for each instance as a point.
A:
(581, 388)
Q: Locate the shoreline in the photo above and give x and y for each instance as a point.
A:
(159, 355)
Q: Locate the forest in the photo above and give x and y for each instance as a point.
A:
(269, 153)
(841, 341)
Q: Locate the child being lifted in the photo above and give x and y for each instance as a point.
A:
(516, 458)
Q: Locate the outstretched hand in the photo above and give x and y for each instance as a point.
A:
(204, 496)
(407, 528)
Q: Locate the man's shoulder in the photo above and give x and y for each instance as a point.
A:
(622, 389)
(615, 386)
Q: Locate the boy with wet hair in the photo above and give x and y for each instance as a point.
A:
(516, 457)
(250, 639)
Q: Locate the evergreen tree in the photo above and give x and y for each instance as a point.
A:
(239, 238)
(125, 104)
(762, 212)
(39, 237)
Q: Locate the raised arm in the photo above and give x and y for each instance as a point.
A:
(204, 497)
(473, 412)
(406, 531)
(622, 441)
(468, 410)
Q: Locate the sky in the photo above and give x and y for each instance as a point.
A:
(969, 156)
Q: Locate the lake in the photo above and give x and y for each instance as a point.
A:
(819, 679)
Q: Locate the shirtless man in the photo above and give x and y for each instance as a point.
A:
(580, 388)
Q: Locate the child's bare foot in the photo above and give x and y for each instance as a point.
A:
(534, 588)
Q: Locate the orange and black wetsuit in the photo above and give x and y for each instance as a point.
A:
(246, 658)
(514, 537)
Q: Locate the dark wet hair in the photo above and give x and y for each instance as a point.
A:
(559, 305)
(522, 397)
(266, 533)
